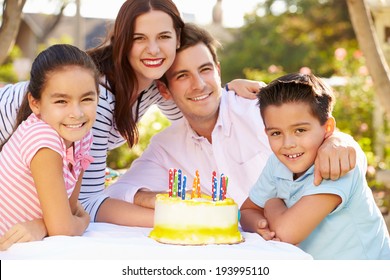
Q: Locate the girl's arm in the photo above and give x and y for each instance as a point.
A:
(253, 220)
(74, 198)
(294, 224)
(56, 209)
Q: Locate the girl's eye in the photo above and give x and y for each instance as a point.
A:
(275, 133)
(60, 102)
(300, 130)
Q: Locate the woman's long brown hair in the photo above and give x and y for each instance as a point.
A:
(111, 60)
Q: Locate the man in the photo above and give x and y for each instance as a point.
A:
(220, 132)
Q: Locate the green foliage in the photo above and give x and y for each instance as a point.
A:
(151, 123)
(7, 72)
(305, 34)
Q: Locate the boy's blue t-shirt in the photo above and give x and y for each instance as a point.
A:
(354, 230)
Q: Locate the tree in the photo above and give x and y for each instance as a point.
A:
(368, 42)
(12, 16)
(305, 33)
(12, 11)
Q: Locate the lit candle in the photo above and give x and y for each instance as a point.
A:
(224, 187)
(179, 182)
(198, 191)
(175, 184)
(170, 181)
(213, 186)
(183, 188)
(194, 184)
(221, 187)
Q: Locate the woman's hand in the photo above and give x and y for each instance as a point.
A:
(23, 232)
(245, 88)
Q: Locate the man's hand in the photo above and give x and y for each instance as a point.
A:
(23, 232)
(145, 198)
(334, 160)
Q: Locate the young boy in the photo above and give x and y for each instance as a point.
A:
(335, 220)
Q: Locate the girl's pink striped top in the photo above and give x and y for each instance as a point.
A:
(18, 196)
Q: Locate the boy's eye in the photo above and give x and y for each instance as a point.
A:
(300, 130)
(88, 99)
(275, 133)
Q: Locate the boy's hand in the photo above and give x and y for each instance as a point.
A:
(264, 231)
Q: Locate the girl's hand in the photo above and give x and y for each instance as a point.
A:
(245, 88)
(23, 232)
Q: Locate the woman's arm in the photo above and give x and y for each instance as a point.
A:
(52, 195)
(23, 232)
(245, 88)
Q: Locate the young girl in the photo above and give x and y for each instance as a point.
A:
(42, 163)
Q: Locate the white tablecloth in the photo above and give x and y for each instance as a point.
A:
(107, 241)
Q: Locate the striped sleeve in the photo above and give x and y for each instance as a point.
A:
(38, 136)
(11, 97)
(167, 107)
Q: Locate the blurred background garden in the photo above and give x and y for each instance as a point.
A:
(278, 37)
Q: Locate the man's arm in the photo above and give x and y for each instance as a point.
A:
(146, 177)
(336, 157)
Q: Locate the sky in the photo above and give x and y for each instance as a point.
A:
(201, 9)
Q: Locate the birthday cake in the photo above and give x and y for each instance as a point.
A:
(195, 219)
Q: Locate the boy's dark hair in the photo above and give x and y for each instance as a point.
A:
(192, 35)
(298, 87)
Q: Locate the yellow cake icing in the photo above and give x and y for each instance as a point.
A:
(197, 221)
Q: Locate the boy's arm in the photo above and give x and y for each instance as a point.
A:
(336, 157)
(253, 220)
(295, 224)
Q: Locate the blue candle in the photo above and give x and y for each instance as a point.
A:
(221, 188)
(179, 183)
(183, 188)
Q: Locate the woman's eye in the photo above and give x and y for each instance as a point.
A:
(138, 38)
